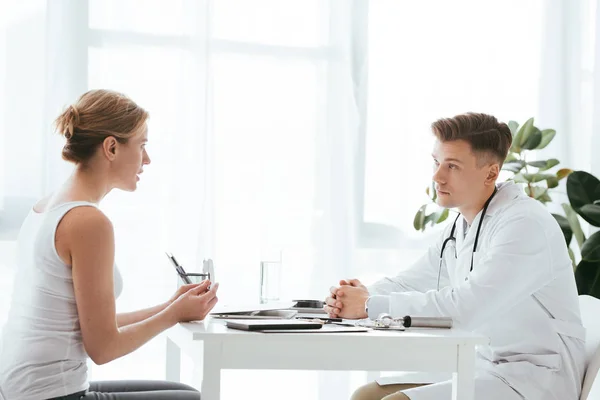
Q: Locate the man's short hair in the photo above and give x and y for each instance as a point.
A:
(485, 134)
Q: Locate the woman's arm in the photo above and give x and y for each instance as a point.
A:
(128, 318)
(89, 238)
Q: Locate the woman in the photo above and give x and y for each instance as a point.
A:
(63, 307)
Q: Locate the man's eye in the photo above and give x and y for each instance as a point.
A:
(452, 166)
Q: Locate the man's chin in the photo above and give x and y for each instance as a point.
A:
(444, 202)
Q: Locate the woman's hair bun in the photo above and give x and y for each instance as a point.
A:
(67, 122)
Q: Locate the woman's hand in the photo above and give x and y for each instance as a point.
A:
(195, 303)
(181, 290)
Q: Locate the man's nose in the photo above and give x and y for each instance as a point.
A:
(437, 175)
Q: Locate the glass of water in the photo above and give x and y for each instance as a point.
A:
(270, 281)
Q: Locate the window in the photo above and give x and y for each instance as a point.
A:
(436, 59)
(243, 97)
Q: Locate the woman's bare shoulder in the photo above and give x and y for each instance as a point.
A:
(86, 219)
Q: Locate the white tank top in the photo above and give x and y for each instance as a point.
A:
(42, 348)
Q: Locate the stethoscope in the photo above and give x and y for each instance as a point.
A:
(453, 238)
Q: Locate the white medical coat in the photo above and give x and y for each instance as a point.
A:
(521, 294)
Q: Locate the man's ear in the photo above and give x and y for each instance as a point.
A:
(493, 172)
(109, 148)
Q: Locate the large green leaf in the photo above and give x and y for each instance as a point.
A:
(443, 216)
(583, 190)
(522, 135)
(513, 166)
(513, 126)
(533, 178)
(544, 165)
(533, 140)
(591, 248)
(574, 223)
(591, 213)
(435, 217)
(419, 221)
(547, 136)
(587, 277)
(565, 227)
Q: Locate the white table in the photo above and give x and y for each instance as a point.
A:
(213, 347)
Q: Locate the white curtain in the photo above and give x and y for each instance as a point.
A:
(594, 43)
(295, 127)
(570, 87)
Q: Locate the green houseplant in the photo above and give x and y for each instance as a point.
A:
(583, 190)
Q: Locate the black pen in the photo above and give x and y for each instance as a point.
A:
(325, 319)
(328, 321)
(179, 269)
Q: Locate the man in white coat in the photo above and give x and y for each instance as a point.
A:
(506, 273)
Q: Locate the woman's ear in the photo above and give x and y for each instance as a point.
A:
(109, 147)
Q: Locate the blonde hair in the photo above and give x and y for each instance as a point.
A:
(96, 115)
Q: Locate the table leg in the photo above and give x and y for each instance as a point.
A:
(463, 385)
(173, 371)
(211, 372)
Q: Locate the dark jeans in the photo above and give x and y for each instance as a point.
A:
(135, 390)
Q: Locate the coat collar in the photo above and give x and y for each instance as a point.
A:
(506, 194)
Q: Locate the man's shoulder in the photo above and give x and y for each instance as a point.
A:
(530, 219)
(526, 209)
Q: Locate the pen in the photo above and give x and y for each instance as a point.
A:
(175, 260)
(325, 319)
(179, 269)
(328, 321)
